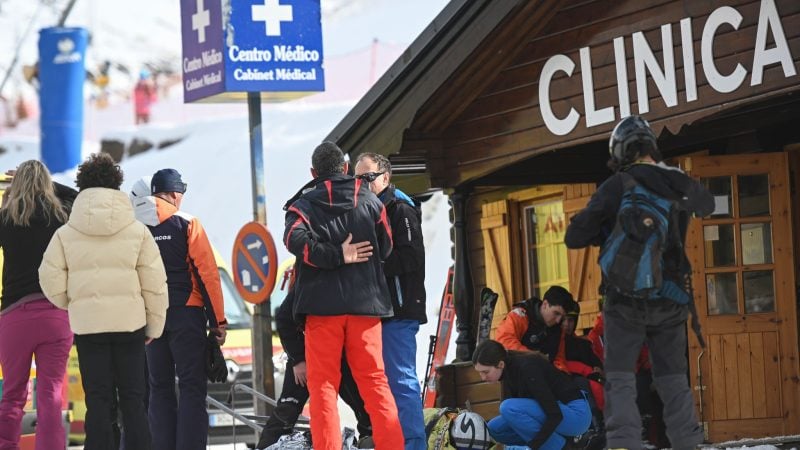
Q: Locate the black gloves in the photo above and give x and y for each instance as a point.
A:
(216, 370)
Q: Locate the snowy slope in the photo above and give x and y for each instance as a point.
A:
(213, 156)
(132, 34)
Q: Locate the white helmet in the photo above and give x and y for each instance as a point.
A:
(468, 431)
(141, 188)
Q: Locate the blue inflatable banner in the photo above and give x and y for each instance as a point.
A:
(61, 78)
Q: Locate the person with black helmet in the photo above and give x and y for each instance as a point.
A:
(630, 322)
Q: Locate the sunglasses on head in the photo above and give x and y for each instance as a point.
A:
(369, 177)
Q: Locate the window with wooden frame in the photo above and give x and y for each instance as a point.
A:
(545, 255)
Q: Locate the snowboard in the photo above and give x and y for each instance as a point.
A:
(440, 342)
(488, 300)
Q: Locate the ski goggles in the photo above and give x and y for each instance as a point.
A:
(369, 177)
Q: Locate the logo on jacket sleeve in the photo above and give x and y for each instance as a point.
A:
(163, 237)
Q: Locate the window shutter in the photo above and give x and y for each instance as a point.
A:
(496, 231)
(584, 272)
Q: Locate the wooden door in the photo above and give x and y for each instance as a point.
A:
(743, 274)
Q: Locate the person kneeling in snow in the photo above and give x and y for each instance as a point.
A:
(541, 408)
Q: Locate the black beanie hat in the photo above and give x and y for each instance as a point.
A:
(574, 309)
(167, 180)
(558, 296)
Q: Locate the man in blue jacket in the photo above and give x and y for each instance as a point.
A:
(405, 277)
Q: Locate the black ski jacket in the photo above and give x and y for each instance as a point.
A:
(594, 224)
(527, 375)
(318, 219)
(23, 248)
(405, 266)
(289, 332)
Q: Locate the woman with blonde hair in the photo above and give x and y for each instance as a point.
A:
(105, 268)
(31, 326)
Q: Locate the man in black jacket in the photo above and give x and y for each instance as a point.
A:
(629, 322)
(405, 276)
(333, 224)
(294, 394)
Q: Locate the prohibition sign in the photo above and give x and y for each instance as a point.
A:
(255, 262)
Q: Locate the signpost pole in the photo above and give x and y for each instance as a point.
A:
(263, 372)
(275, 54)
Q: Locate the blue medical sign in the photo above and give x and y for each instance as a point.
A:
(261, 46)
(276, 46)
(201, 31)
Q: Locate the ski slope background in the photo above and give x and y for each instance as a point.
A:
(213, 157)
(212, 153)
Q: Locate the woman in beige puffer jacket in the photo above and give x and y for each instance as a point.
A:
(105, 269)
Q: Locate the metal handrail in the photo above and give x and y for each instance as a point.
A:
(245, 388)
(264, 398)
(231, 410)
(224, 408)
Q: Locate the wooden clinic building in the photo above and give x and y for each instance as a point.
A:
(507, 106)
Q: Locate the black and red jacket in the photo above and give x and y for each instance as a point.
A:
(318, 219)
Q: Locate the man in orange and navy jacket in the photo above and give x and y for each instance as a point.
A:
(195, 297)
(536, 324)
(339, 232)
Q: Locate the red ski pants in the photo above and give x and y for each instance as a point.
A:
(360, 338)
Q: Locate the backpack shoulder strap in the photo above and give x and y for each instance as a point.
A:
(628, 181)
(435, 419)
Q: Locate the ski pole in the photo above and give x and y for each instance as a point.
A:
(431, 348)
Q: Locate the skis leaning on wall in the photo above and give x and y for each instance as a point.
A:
(488, 300)
(439, 343)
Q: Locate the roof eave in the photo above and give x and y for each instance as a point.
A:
(390, 105)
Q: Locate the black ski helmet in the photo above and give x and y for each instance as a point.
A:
(631, 139)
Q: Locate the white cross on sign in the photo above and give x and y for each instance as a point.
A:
(200, 20)
(272, 13)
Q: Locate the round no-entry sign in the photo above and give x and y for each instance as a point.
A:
(255, 262)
